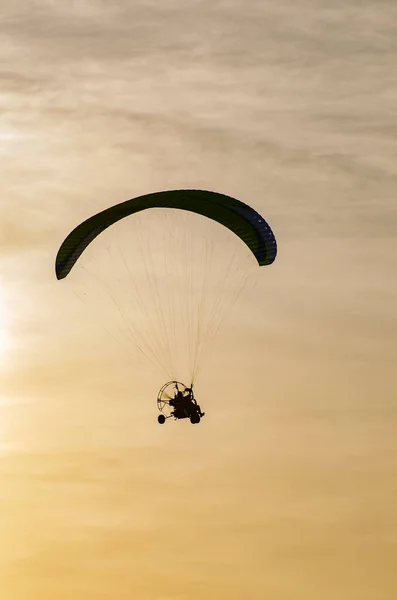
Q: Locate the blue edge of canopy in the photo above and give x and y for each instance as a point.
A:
(267, 245)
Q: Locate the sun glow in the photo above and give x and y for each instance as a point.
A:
(4, 337)
(9, 137)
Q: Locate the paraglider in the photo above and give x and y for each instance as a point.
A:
(177, 400)
(196, 306)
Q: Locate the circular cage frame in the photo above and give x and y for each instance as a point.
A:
(164, 397)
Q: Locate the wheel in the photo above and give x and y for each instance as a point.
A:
(194, 419)
(161, 419)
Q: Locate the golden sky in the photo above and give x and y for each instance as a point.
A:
(287, 489)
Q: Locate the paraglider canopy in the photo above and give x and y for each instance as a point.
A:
(240, 218)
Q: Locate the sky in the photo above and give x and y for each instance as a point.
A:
(286, 490)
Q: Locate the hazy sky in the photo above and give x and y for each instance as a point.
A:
(287, 489)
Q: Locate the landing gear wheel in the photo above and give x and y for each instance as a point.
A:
(161, 419)
(194, 419)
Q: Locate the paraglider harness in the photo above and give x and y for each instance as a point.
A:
(181, 405)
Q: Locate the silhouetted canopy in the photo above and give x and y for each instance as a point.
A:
(240, 218)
